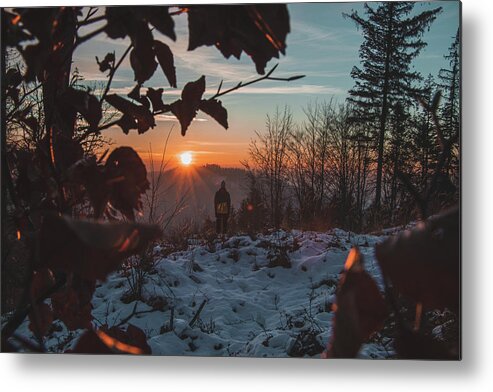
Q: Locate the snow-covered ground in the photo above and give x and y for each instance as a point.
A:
(252, 308)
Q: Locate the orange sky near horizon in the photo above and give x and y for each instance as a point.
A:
(207, 141)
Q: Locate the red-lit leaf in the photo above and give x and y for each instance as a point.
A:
(134, 114)
(424, 263)
(40, 319)
(90, 249)
(90, 343)
(185, 109)
(360, 309)
(131, 341)
(127, 175)
(166, 61)
(215, 109)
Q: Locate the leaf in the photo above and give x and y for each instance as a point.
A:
(126, 123)
(87, 173)
(424, 263)
(107, 63)
(40, 319)
(42, 281)
(159, 17)
(215, 109)
(127, 174)
(166, 61)
(72, 309)
(360, 309)
(74, 100)
(258, 30)
(143, 64)
(13, 77)
(193, 91)
(140, 114)
(135, 93)
(90, 343)
(131, 341)
(113, 341)
(155, 96)
(185, 109)
(415, 345)
(119, 20)
(90, 249)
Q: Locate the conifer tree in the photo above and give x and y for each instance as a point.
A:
(450, 86)
(392, 39)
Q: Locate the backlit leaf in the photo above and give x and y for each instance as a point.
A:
(138, 113)
(90, 249)
(166, 61)
(215, 109)
(360, 309)
(424, 263)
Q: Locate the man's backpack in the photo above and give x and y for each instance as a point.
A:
(222, 208)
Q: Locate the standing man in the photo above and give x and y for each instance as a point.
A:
(222, 207)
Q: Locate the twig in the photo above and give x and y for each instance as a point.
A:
(80, 40)
(197, 314)
(265, 77)
(113, 71)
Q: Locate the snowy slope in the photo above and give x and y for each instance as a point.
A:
(251, 307)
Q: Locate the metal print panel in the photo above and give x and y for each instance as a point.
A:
(261, 180)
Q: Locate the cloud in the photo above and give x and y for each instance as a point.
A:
(171, 117)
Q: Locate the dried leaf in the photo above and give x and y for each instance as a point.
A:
(90, 343)
(90, 249)
(424, 263)
(360, 309)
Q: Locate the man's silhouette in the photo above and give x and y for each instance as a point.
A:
(222, 207)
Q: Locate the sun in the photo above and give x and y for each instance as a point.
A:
(186, 158)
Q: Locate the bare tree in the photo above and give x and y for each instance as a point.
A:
(269, 158)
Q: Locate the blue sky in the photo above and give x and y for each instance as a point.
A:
(322, 44)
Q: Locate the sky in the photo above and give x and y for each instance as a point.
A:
(323, 45)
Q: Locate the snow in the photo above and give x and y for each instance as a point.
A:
(252, 308)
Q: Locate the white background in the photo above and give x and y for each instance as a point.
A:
(473, 373)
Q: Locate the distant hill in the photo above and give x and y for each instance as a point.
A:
(199, 184)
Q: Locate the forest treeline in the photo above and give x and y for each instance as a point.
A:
(387, 155)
